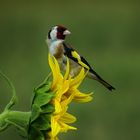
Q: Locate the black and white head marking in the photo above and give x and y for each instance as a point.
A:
(58, 33)
(52, 34)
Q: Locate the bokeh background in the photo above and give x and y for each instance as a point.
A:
(107, 33)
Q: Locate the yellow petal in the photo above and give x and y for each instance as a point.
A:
(82, 97)
(78, 79)
(67, 70)
(55, 127)
(68, 99)
(68, 118)
(57, 105)
(57, 76)
(50, 136)
(53, 69)
(57, 65)
(59, 79)
(63, 89)
(65, 127)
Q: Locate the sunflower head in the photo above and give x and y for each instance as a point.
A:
(51, 101)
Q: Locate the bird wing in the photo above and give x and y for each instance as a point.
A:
(72, 54)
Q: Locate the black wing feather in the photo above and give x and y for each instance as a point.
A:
(68, 52)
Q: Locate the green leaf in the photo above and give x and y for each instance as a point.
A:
(43, 98)
(48, 108)
(35, 112)
(35, 134)
(45, 87)
(42, 122)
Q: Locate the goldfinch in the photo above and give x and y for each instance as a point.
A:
(61, 51)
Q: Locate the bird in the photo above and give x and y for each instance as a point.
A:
(61, 51)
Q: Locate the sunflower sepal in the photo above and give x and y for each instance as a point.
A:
(41, 112)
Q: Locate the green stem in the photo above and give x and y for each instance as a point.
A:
(13, 99)
(16, 118)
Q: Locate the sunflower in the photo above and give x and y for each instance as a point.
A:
(49, 115)
(66, 91)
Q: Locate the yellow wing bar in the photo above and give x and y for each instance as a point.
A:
(77, 56)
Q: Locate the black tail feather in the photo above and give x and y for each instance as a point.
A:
(107, 85)
(103, 82)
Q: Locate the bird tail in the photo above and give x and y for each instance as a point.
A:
(95, 76)
(107, 85)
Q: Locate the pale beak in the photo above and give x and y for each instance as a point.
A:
(66, 32)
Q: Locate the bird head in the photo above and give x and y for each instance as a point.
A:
(58, 33)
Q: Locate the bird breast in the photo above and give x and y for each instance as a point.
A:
(56, 49)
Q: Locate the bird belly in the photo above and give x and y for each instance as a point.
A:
(74, 68)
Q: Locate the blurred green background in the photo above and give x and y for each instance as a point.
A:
(107, 33)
